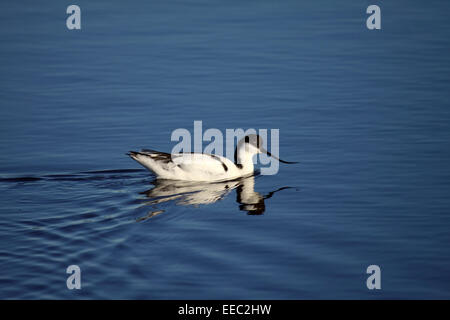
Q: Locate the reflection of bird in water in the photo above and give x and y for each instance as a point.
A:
(250, 200)
(196, 193)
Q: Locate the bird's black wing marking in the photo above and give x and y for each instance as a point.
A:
(220, 160)
(155, 155)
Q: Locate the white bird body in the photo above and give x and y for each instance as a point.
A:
(192, 167)
(202, 167)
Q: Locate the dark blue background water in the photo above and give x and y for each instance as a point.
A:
(366, 112)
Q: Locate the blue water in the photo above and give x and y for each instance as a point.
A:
(366, 113)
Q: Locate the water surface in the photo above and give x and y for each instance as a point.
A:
(365, 112)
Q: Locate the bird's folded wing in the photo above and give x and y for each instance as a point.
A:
(198, 162)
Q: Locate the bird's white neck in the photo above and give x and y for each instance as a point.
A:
(244, 160)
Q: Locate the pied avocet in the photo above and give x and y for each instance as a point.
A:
(203, 167)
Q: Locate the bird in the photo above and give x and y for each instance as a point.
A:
(202, 166)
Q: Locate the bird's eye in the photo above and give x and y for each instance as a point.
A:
(247, 139)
